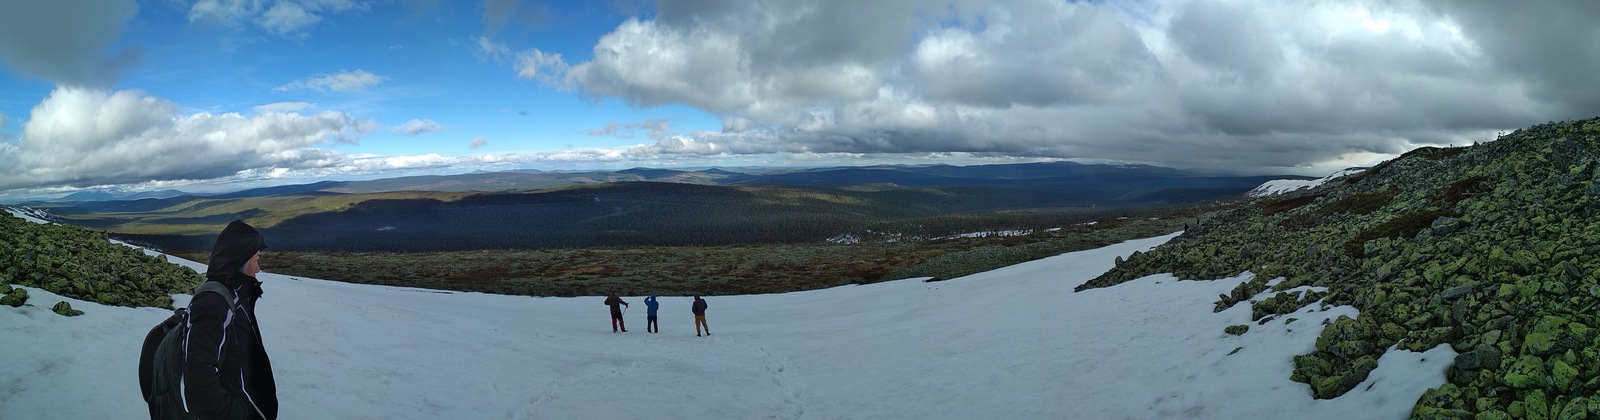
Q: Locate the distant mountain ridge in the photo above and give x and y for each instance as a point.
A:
(1100, 180)
(639, 206)
(108, 195)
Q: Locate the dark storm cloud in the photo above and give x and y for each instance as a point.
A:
(66, 41)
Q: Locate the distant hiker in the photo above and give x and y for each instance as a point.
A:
(650, 306)
(616, 312)
(226, 373)
(699, 309)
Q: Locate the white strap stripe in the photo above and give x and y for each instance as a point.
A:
(247, 396)
(182, 388)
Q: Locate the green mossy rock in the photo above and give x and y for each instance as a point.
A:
(1445, 402)
(1493, 415)
(1562, 375)
(1308, 366)
(1537, 343)
(1527, 372)
(1331, 385)
(1236, 329)
(1491, 249)
(1577, 409)
(75, 262)
(65, 309)
(1535, 405)
(15, 298)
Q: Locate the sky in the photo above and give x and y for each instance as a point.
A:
(1015, 342)
(207, 93)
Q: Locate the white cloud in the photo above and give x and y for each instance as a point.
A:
(283, 107)
(1036, 55)
(657, 128)
(415, 127)
(531, 64)
(344, 81)
(1179, 83)
(222, 11)
(478, 142)
(287, 17)
(66, 41)
(648, 64)
(611, 129)
(81, 137)
(284, 17)
(535, 65)
(491, 50)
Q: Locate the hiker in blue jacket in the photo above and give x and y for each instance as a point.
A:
(650, 306)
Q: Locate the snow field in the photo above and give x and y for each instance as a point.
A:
(1015, 342)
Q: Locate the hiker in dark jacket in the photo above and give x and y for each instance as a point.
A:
(699, 309)
(616, 312)
(228, 375)
(650, 306)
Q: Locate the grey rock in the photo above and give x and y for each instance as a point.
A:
(1457, 291)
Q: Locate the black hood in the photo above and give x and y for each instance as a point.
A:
(237, 243)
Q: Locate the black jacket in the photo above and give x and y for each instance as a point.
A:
(699, 307)
(613, 302)
(228, 375)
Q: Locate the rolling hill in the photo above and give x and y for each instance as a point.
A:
(653, 206)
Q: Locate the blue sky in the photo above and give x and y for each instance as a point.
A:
(403, 62)
(217, 94)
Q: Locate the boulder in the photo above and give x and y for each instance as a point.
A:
(1457, 291)
(1563, 375)
(1527, 372)
(15, 298)
(65, 309)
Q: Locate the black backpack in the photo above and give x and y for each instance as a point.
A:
(161, 361)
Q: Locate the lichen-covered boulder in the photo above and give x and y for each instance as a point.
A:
(1445, 402)
(15, 298)
(1527, 372)
(1492, 249)
(1577, 409)
(1236, 329)
(1562, 375)
(65, 309)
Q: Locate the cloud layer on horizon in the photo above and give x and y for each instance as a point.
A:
(1247, 85)
(1208, 84)
(85, 137)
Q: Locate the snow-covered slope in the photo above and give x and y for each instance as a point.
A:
(1280, 186)
(1010, 343)
(29, 214)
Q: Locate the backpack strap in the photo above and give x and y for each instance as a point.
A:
(218, 288)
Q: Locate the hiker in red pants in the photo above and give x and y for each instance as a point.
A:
(616, 305)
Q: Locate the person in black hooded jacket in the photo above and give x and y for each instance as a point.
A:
(228, 375)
